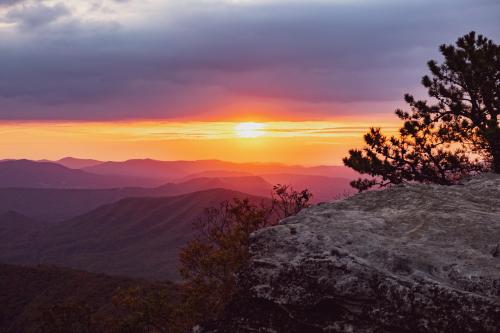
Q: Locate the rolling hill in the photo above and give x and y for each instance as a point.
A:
(135, 237)
(248, 184)
(14, 224)
(165, 170)
(16, 233)
(174, 170)
(324, 188)
(77, 163)
(54, 205)
(215, 174)
(25, 173)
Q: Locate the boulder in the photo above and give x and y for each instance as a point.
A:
(412, 258)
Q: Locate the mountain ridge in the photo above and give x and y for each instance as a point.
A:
(27, 173)
(171, 170)
(53, 205)
(136, 237)
(77, 163)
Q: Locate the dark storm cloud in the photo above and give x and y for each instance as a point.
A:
(302, 52)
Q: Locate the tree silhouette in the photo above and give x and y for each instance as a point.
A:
(210, 263)
(458, 134)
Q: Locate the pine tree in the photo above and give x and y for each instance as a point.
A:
(456, 135)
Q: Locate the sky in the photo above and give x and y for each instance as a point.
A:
(118, 79)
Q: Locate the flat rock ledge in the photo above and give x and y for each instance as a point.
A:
(419, 258)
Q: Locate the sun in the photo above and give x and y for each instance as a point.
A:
(249, 130)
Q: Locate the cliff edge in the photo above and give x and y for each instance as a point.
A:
(419, 258)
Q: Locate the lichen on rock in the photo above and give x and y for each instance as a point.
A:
(412, 258)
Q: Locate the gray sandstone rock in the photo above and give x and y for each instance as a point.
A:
(419, 258)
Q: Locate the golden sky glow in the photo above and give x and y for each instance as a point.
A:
(301, 142)
(249, 130)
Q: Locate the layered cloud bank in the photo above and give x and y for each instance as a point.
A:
(111, 59)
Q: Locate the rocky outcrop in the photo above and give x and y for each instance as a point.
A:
(420, 258)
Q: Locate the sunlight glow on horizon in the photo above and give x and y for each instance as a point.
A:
(249, 130)
(289, 142)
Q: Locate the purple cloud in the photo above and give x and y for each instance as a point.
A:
(5, 3)
(299, 52)
(36, 15)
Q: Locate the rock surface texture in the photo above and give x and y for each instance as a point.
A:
(420, 258)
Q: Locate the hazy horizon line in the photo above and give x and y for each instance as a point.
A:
(174, 160)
